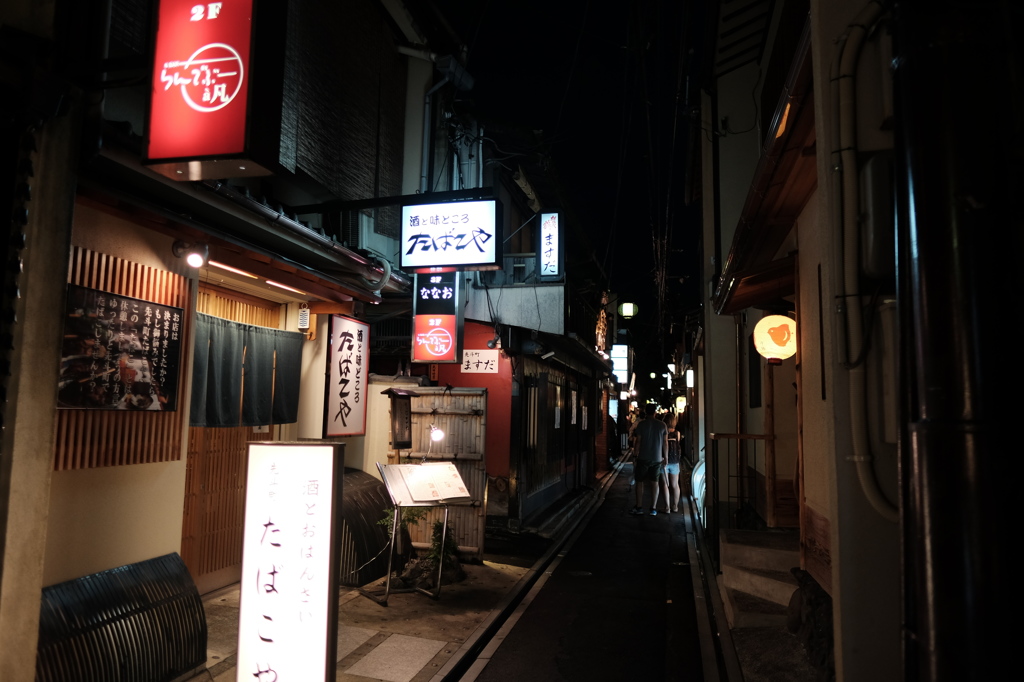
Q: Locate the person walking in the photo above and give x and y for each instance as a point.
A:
(651, 454)
(672, 467)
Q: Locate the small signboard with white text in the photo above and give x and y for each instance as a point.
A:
(288, 610)
(462, 234)
(436, 328)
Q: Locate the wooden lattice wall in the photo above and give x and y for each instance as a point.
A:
(214, 510)
(99, 438)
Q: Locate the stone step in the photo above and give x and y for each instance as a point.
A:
(777, 550)
(770, 584)
(744, 610)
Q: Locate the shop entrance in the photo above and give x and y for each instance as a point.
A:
(214, 506)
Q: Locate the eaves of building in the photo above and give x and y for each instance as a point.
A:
(754, 273)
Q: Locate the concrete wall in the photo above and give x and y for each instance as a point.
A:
(864, 546)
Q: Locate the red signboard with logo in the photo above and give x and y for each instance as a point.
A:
(200, 88)
(434, 338)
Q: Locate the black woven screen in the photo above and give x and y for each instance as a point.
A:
(142, 622)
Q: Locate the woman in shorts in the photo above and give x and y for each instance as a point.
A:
(672, 467)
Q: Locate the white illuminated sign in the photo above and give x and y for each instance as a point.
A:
(620, 369)
(453, 234)
(620, 350)
(287, 617)
(549, 251)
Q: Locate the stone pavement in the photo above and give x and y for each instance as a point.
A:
(419, 639)
(411, 639)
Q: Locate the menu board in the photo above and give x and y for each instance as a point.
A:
(424, 484)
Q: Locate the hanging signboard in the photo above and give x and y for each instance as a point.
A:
(288, 610)
(200, 88)
(436, 330)
(549, 248)
(484, 361)
(462, 234)
(119, 353)
(348, 360)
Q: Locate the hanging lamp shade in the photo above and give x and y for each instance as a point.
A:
(775, 338)
(628, 310)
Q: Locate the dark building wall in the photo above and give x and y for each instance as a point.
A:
(344, 103)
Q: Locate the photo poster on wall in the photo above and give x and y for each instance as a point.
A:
(119, 353)
(288, 597)
(348, 363)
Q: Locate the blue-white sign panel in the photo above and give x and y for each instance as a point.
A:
(453, 234)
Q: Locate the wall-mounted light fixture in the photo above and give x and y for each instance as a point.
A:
(547, 355)
(436, 436)
(195, 255)
(222, 266)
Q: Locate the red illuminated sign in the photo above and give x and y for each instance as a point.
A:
(201, 79)
(434, 338)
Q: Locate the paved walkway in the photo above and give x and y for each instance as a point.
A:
(579, 607)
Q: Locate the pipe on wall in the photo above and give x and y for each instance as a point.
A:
(960, 230)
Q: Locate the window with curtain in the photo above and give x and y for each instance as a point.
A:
(244, 375)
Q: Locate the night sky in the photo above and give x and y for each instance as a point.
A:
(602, 83)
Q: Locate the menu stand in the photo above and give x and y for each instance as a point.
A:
(418, 485)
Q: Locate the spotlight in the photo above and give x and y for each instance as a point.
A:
(195, 255)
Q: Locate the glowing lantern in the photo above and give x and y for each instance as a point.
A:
(775, 338)
(628, 310)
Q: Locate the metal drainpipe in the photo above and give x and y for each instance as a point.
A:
(958, 194)
(427, 130)
(480, 157)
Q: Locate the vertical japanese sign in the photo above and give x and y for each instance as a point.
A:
(549, 250)
(287, 627)
(435, 318)
(119, 353)
(348, 361)
(199, 92)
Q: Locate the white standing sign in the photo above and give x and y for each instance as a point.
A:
(347, 376)
(288, 592)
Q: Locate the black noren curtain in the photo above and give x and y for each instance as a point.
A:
(230, 356)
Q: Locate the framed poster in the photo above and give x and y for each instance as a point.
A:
(348, 359)
(288, 610)
(119, 353)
